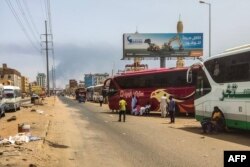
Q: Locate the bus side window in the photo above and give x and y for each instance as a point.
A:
(216, 69)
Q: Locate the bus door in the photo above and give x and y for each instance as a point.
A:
(203, 87)
(197, 76)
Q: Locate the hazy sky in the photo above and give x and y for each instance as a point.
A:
(88, 33)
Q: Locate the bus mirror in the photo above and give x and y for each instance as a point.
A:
(189, 75)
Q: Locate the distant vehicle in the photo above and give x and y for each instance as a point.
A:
(93, 92)
(224, 81)
(12, 97)
(150, 86)
(34, 97)
(80, 94)
(2, 102)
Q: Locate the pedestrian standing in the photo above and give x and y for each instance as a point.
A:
(100, 100)
(171, 109)
(122, 105)
(133, 103)
(163, 105)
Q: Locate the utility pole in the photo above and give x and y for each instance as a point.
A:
(47, 45)
(53, 79)
(47, 57)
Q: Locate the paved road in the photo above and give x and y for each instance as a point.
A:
(145, 141)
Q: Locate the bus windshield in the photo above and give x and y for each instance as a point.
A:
(8, 93)
(227, 69)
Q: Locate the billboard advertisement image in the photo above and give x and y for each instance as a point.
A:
(162, 45)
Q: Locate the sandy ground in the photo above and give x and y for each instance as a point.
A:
(27, 153)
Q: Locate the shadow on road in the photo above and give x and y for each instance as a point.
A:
(56, 145)
(233, 135)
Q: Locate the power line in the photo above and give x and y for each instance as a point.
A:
(46, 9)
(49, 16)
(43, 10)
(26, 20)
(21, 24)
(30, 16)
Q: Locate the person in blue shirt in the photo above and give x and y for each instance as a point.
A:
(171, 109)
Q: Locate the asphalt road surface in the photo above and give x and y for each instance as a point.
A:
(96, 138)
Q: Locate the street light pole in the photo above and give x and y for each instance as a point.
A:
(209, 5)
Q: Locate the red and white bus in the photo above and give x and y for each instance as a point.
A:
(150, 86)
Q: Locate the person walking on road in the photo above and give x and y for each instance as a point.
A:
(100, 100)
(122, 105)
(163, 105)
(171, 109)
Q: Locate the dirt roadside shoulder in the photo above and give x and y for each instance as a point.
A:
(38, 118)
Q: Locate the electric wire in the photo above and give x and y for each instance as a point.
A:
(26, 21)
(46, 9)
(30, 16)
(43, 10)
(49, 16)
(21, 24)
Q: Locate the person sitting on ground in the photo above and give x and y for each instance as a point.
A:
(136, 110)
(218, 119)
(147, 108)
(142, 110)
(216, 123)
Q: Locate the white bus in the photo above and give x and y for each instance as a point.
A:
(12, 97)
(224, 81)
(93, 92)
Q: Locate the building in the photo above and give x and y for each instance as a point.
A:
(95, 79)
(10, 76)
(41, 80)
(89, 80)
(72, 83)
(81, 84)
(25, 85)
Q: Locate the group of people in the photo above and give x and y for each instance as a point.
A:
(214, 124)
(168, 108)
(136, 109)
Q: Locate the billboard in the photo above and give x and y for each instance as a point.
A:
(162, 45)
